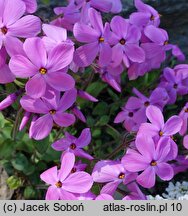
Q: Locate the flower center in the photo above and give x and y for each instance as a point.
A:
(101, 39)
(58, 184)
(73, 146)
(186, 110)
(152, 18)
(153, 163)
(121, 175)
(4, 30)
(166, 43)
(52, 112)
(175, 86)
(43, 71)
(122, 41)
(160, 133)
(131, 114)
(73, 170)
(147, 103)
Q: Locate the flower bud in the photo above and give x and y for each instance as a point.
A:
(10, 99)
(25, 120)
(86, 96)
(78, 113)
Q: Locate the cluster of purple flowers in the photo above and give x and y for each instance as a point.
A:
(42, 55)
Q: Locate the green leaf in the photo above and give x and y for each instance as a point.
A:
(14, 182)
(29, 170)
(20, 162)
(90, 121)
(7, 147)
(25, 145)
(30, 193)
(41, 166)
(46, 1)
(42, 145)
(112, 132)
(34, 179)
(103, 120)
(5, 132)
(8, 167)
(3, 121)
(101, 109)
(96, 133)
(113, 95)
(95, 88)
(51, 155)
(10, 88)
(20, 82)
(115, 107)
(96, 189)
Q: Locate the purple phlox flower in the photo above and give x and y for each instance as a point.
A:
(31, 6)
(84, 14)
(157, 125)
(13, 49)
(9, 100)
(155, 50)
(42, 68)
(158, 97)
(77, 112)
(116, 6)
(75, 68)
(138, 69)
(155, 46)
(6, 75)
(14, 25)
(72, 144)
(104, 6)
(134, 112)
(3, 57)
(111, 75)
(53, 108)
(128, 118)
(157, 36)
(78, 166)
(54, 36)
(184, 116)
(97, 38)
(182, 69)
(104, 196)
(125, 39)
(113, 81)
(62, 183)
(181, 164)
(174, 83)
(70, 15)
(25, 120)
(33, 120)
(146, 15)
(185, 141)
(176, 52)
(113, 173)
(151, 158)
(135, 192)
(85, 196)
(158, 128)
